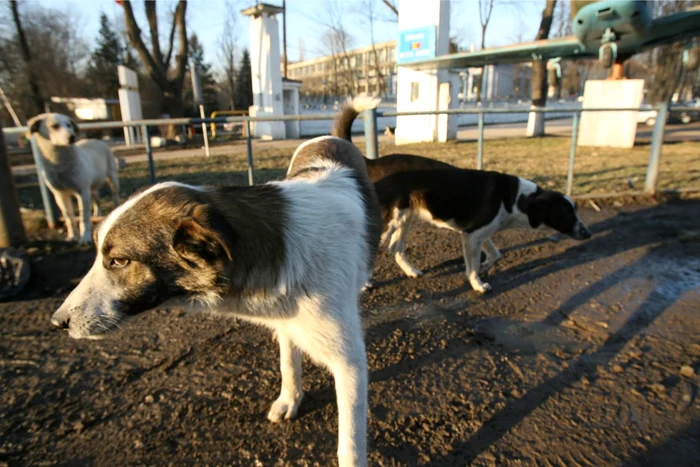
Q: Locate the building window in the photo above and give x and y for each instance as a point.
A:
(415, 87)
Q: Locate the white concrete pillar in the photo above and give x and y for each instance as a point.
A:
(265, 64)
(420, 90)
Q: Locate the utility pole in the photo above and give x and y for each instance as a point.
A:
(11, 227)
(284, 36)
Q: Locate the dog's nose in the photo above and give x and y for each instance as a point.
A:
(71, 139)
(581, 232)
(60, 323)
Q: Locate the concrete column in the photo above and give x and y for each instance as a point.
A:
(265, 64)
(419, 90)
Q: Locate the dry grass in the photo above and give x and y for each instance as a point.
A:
(544, 160)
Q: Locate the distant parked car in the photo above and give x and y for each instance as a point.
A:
(647, 116)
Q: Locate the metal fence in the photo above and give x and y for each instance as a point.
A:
(371, 139)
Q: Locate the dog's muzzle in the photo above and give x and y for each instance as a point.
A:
(60, 322)
(581, 232)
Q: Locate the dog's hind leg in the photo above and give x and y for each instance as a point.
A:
(397, 245)
(84, 220)
(64, 200)
(471, 248)
(287, 404)
(113, 182)
(492, 255)
(95, 203)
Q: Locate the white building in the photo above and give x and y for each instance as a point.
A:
(501, 82)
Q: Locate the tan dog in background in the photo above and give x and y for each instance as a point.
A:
(74, 170)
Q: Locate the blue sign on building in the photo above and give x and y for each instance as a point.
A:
(417, 44)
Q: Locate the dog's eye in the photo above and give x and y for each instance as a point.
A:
(55, 126)
(119, 262)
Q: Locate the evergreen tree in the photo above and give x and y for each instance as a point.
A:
(102, 68)
(206, 76)
(244, 84)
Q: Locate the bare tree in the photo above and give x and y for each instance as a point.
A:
(368, 11)
(485, 11)
(227, 55)
(37, 100)
(666, 75)
(535, 126)
(156, 63)
(338, 41)
(57, 57)
(392, 6)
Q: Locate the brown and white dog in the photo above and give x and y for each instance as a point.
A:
(475, 203)
(292, 255)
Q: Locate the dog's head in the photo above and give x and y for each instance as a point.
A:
(557, 211)
(60, 129)
(162, 243)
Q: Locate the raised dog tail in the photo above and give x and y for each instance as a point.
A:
(342, 126)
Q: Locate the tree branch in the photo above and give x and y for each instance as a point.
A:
(155, 70)
(152, 17)
(391, 6)
(171, 39)
(181, 58)
(27, 57)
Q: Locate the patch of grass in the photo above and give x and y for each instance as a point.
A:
(543, 160)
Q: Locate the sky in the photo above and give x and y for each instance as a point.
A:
(307, 19)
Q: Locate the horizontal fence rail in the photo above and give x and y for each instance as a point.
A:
(370, 118)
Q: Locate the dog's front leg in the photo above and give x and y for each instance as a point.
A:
(84, 219)
(471, 248)
(287, 404)
(64, 201)
(350, 374)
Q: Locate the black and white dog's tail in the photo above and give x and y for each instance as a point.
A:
(342, 126)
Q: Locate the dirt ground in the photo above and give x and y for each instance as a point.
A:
(585, 353)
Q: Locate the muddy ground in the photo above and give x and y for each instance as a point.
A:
(583, 354)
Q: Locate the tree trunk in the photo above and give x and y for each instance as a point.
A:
(158, 66)
(535, 122)
(37, 100)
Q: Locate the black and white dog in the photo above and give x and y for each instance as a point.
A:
(292, 255)
(475, 203)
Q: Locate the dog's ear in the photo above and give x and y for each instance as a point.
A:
(74, 124)
(34, 123)
(535, 209)
(204, 237)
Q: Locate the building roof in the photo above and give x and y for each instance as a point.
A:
(262, 8)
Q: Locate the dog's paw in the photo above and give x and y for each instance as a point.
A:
(284, 408)
(85, 241)
(414, 273)
(482, 287)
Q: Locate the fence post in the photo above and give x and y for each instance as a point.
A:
(50, 208)
(149, 152)
(657, 141)
(204, 131)
(249, 145)
(371, 143)
(11, 228)
(572, 155)
(480, 143)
